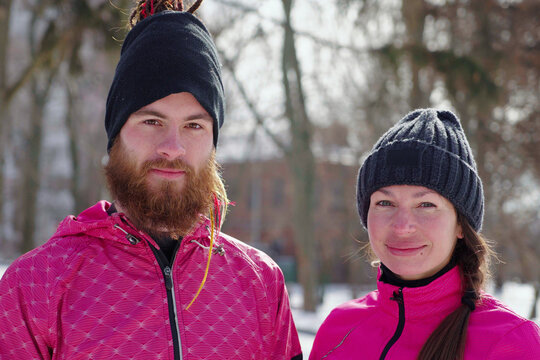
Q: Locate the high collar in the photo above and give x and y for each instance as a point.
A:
(389, 277)
(435, 300)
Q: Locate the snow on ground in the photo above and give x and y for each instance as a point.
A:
(518, 297)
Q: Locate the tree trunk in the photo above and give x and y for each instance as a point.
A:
(302, 164)
(30, 171)
(5, 10)
(413, 13)
(30, 166)
(79, 201)
(533, 315)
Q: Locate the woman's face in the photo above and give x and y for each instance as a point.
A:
(412, 229)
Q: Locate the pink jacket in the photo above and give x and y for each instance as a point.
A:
(93, 292)
(362, 328)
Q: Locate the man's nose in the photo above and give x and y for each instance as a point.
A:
(172, 145)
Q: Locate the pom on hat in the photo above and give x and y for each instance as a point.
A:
(426, 148)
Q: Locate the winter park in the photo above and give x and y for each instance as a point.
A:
(235, 169)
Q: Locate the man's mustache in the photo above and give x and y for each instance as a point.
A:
(177, 164)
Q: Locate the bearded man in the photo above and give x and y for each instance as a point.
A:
(150, 275)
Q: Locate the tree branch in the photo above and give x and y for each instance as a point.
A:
(252, 108)
(316, 39)
(37, 61)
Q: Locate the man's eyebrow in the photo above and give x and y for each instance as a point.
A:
(142, 112)
(200, 116)
(152, 112)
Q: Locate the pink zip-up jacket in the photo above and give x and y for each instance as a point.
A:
(394, 323)
(96, 290)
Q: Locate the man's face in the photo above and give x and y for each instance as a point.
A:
(161, 169)
(173, 128)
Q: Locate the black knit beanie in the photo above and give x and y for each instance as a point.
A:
(426, 148)
(166, 53)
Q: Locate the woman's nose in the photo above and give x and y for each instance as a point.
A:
(403, 222)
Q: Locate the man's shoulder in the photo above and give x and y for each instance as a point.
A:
(70, 237)
(246, 252)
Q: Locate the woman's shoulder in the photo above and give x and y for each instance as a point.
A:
(353, 310)
(493, 311)
(501, 332)
(352, 316)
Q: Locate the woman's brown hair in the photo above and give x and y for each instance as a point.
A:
(145, 8)
(472, 253)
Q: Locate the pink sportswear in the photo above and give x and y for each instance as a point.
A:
(362, 328)
(90, 293)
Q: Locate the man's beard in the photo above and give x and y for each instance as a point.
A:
(162, 210)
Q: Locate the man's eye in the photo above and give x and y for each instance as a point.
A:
(194, 126)
(384, 203)
(427, 204)
(151, 122)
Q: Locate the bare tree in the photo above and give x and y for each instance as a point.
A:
(56, 36)
(5, 11)
(302, 163)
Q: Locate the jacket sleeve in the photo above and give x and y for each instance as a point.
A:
(24, 298)
(522, 342)
(326, 338)
(315, 353)
(286, 344)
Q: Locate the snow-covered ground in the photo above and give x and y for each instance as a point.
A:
(518, 296)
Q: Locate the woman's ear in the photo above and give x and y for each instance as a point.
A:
(459, 231)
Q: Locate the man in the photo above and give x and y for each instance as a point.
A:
(150, 276)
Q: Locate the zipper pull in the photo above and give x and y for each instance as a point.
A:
(398, 296)
(168, 277)
(133, 240)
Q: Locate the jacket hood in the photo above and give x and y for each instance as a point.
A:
(95, 221)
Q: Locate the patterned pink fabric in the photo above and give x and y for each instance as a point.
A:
(88, 293)
(361, 328)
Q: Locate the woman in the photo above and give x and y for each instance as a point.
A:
(421, 200)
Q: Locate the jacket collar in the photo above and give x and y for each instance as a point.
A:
(437, 299)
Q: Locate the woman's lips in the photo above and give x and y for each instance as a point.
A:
(405, 250)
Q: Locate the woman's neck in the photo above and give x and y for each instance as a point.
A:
(389, 277)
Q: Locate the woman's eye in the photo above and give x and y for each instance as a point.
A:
(151, 122)
(427, 204)
(384, 203)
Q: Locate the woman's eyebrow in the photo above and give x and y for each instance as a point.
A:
(424, 192)
(385, 192)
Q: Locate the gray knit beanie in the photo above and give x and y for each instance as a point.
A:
(426, 148)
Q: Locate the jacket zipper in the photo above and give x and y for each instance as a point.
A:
(171, 300)
(169, 285)
(397, 297)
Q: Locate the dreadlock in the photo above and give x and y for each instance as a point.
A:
(146, 8)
